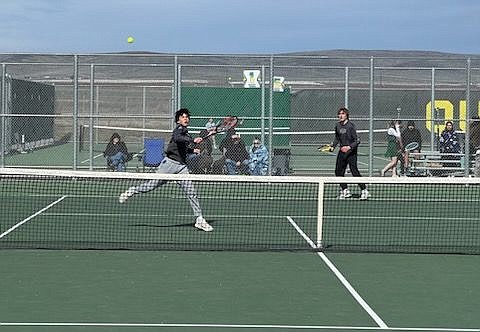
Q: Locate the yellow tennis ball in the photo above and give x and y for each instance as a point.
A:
(130, 40)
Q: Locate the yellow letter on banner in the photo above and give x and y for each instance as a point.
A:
(445, 105)
(463, 115)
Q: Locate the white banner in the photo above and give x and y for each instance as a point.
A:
(278, 83)
(251, 78)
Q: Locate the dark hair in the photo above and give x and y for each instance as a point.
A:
(410, 123)
(231, 132)
(115, 135)
(345, 110)
(181, 112)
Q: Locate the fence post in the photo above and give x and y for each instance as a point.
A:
(4, 111)
(370, 121)
(262, 120)
(175, 88)
(468, 120)
(432, 113)
(92, 104)
(270, 127)
(75, 112)
(346, 86)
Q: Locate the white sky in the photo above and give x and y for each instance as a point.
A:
(238, 26)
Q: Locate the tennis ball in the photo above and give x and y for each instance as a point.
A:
(130, 40)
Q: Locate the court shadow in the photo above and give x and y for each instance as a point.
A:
(190, 224)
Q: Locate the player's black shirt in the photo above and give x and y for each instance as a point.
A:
(180, 144)
(346, 134)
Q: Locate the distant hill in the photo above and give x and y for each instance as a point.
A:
(217, 69)
(384, 53)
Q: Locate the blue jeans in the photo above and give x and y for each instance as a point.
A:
(257, 169)
(233, 169)
(117, 161)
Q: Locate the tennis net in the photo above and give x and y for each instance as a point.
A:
(81, 210)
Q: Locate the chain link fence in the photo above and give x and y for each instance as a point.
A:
(60, 111)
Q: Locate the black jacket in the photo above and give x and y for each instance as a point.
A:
(113, 149)
(180, 144)
(409, 136)
(346, 134)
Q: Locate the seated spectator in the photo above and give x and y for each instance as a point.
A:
(235, 152)
(258, 162)
(211, 126)
(200, 162)
(449, 144)
(116, 153)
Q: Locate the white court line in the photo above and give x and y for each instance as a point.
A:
(381, 158)
(340, 277)
(403, 218)
(255, 326)
(101, 154)
(94, 157)
(415, 199)
(136, 215)
(31, 217)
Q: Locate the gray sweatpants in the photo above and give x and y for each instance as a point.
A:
(169, 166)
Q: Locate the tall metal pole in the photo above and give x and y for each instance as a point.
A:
(346, 86)
(92, 110)
(370, 121)
(144, 110)
(270, 115)
(432, 113)
(468, 120)
(262, 120)
(75, 111)
(97, 110)
(175, 85)
(4, 111)
(179, 93)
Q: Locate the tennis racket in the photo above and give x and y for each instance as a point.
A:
(226, 124)
(411, 146)
(326, 148)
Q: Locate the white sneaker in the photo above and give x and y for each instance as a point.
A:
(125, 195)
(202, 224)
(365, 194)
(345, 193)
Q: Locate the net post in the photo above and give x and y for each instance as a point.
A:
(321, 188)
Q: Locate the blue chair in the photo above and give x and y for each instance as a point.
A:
(153, 153)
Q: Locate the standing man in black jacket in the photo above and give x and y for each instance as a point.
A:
(175, 162)
(346, 137)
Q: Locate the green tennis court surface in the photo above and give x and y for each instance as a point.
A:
(242, 285)
(80, 210)
(235, 291)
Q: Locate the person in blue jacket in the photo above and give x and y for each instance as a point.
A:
(258, 162)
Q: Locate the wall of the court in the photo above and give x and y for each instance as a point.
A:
(31, 98)
(388, 104)
(217, 102)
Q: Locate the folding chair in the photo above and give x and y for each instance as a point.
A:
(153, 153)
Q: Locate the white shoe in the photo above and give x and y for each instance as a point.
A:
(125, 195)
(365, 194)
(202, 224)
(345, 193)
